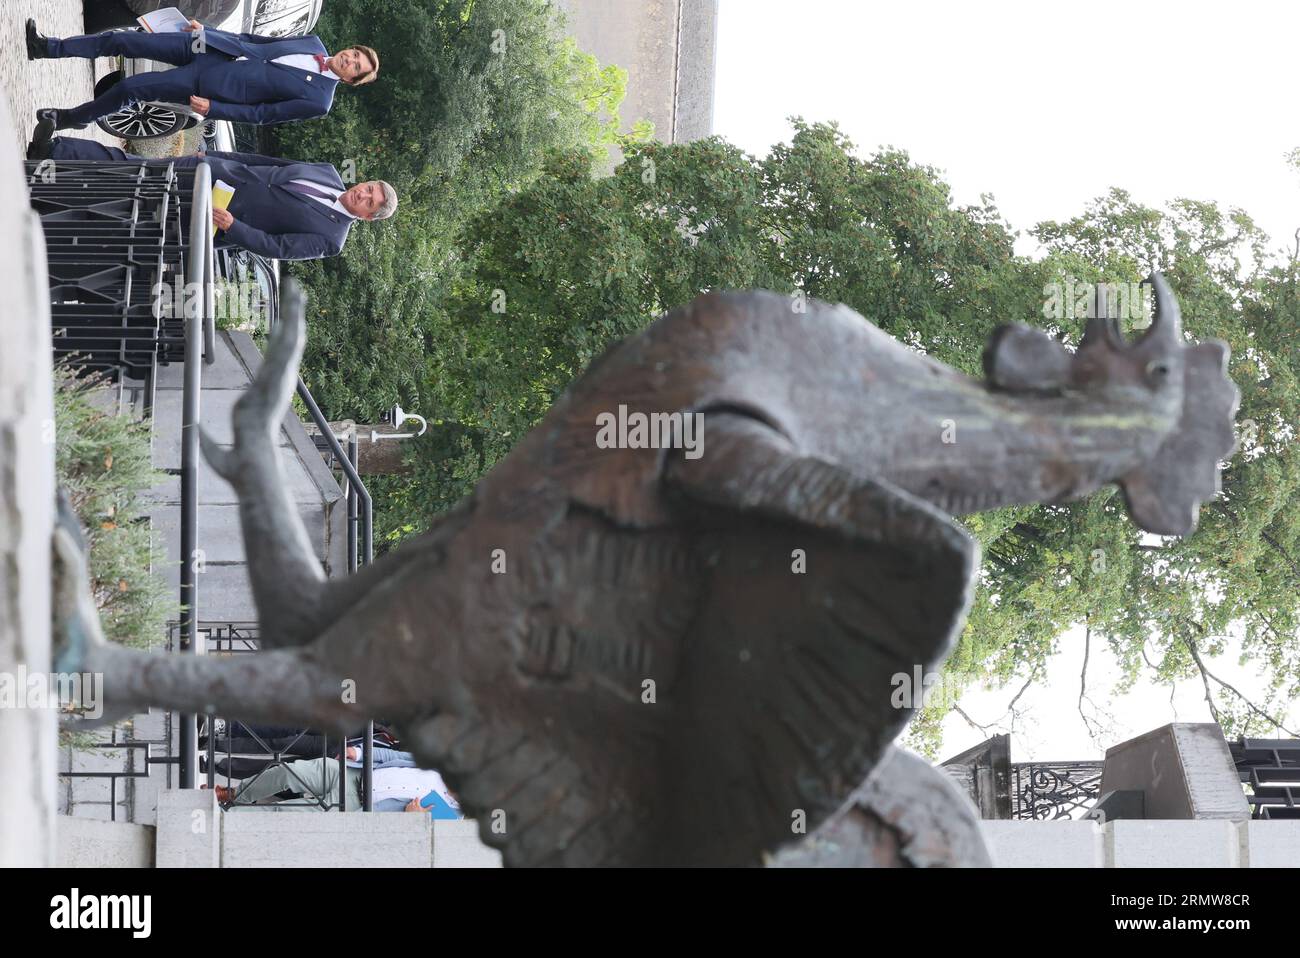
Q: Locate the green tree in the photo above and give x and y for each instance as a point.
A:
(471, 96)
(573, 262)
(103, 463)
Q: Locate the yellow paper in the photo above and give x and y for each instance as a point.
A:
(221, 194)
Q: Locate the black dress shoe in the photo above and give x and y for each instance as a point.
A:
(57, 118)
(42, 145)
(36, 48)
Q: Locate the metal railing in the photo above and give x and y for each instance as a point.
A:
(268, 752)
(119, 237)
(200, 341)
(1271, 769)
(1040, 791)
(1048, 791)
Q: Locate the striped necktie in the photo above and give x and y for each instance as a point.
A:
(308, 191)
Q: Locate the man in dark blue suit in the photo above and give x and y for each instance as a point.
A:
(223, 76)
(281, 209)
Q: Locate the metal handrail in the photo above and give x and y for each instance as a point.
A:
(200, 341)
(358, 495)
(345, 463)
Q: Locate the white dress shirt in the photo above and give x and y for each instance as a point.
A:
(405, 784)
(333, 204)
(305, 62)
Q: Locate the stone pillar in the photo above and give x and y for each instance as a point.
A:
(1183, 769)
(456, 845)
(28, 736)
(189, 829)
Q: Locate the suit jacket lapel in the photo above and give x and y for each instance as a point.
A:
(331, 214)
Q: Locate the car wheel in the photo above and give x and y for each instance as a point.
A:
(143, 121)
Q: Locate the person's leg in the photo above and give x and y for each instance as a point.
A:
(355, 781)
(72, 148)
(316, 776)
(169, 86)
(174, 48)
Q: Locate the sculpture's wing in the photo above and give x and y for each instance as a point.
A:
(688, 693)
(557, 749)
(827, 597)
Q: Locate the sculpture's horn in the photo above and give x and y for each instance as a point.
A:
(1094, 330)
(1103, 328)
(1100, 326)
(1166, 321)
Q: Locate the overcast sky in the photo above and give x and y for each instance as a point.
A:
(1045, 106)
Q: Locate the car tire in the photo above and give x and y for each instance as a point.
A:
(144, 121)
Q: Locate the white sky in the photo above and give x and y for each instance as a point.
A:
(1045, 106)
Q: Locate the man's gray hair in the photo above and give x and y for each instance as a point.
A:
(389, 206)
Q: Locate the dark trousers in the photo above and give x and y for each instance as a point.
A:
(168, 86)
(72, 148)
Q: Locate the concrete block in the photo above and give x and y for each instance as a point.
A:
(1207, 843)
(1183, 769)
(1270, 844)
(85, 843)
(456, 845)
(189, 829)
(1031, 844)
(263, 838)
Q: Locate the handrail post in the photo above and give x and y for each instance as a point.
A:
(198, 274)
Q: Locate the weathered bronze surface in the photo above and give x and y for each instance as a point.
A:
(675, 655)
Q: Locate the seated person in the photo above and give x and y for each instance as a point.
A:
(243, 743)
(398, 785)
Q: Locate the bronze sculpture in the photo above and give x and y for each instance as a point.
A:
(618, 652)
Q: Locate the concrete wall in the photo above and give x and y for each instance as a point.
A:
(1148, 843)
(1063, 844)
(667, 48)
(262, 837)
(88, 843)
(193, 833)
(27, 735)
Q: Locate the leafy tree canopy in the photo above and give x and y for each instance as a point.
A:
(558, 270)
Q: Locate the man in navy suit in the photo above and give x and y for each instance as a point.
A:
(281, 209)
(223, 76)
